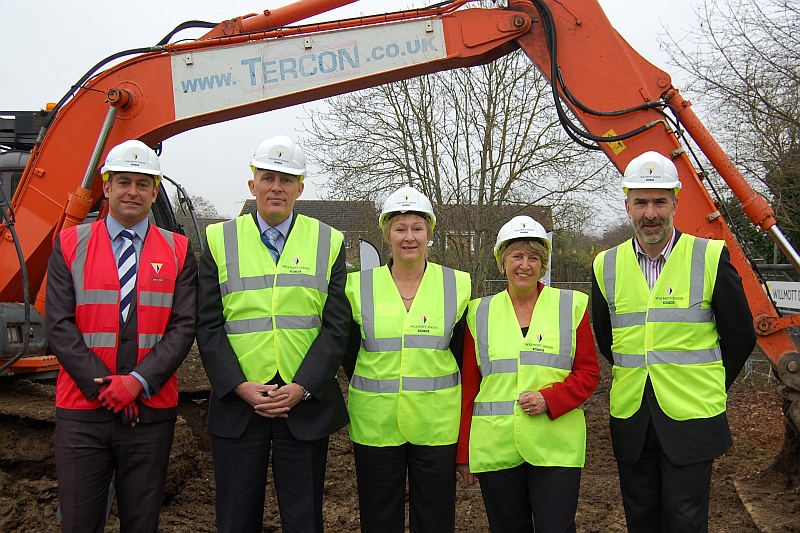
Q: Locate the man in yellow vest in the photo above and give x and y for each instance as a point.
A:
(273, 322)
(669, 312)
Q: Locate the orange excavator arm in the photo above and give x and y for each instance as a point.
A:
(259, 62)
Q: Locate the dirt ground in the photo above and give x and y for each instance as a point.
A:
(28, 499)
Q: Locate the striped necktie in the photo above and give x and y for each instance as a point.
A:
(270, 239)
(126, 266)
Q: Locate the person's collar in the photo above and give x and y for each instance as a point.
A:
(283, 227)
(664, 252)
(114, 226)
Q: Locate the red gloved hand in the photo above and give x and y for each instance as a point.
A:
(121, 392)
(130, 414)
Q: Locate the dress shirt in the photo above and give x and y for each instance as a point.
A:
(652, 267)
(283, 228)
(139, 229)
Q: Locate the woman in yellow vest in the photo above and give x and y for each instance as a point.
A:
(529, 363)
(404, 364)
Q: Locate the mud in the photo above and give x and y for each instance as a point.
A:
(28, 498)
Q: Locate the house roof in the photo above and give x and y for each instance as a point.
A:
(342, 215)
(350, 216)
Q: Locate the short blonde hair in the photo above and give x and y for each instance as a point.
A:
(534, 247)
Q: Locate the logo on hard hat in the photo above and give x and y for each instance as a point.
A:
(523, 224)
(650, 170)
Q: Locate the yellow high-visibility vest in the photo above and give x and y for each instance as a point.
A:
(502, 435)
(273, 312)
(406, 386)
(668, 333)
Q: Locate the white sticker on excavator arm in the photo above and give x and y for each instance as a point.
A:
(786, 294)
(210, 80)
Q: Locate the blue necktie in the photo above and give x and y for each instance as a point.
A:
(270, 240)
(126, 267)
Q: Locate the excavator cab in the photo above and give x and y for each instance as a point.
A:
(23, 344)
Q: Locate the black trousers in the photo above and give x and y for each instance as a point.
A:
(661, 497)
(381, 474)
(240, 470)
(87, 454)
(518, 498)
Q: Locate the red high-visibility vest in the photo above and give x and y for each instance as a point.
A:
(90, 258)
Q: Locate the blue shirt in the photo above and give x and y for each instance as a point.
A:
(283, 228)
(114, 228)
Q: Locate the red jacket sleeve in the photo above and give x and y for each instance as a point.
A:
(470, 384)
(581, 382)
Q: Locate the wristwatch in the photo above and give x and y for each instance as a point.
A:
(306, 394)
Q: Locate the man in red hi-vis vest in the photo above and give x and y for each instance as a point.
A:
(121, 305)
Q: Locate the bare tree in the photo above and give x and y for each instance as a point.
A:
(482, 137)
(745, 59)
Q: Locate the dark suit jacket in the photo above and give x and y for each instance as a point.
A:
(689, 441)
(66, 341)
(319, 416)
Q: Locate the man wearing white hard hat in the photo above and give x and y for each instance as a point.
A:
(273, 322)
(121, 305)
(669, 312)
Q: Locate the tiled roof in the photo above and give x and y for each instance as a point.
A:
(348, 216)
(342, 215)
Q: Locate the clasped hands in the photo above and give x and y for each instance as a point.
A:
(118, 393)
(270, 401)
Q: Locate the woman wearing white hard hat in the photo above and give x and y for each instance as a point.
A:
(403, 362)
(529, 363)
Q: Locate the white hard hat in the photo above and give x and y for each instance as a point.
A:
(404, 200)
(132, 156)
(520, 227)
(651, 170)
(280, 154)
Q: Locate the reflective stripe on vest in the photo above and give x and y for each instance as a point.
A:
(677, 345)
(252, 325)
(501, 434)
(97, 310)
(393, 344)
(409, 383)
(404, 364)
(236, 283)
(692, 314)
(93, 296)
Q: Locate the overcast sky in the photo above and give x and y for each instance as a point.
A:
(47, 45)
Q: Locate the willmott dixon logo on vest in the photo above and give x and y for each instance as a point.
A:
(669, 299)
(297, 268)
(537, 343)
(423, 325)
